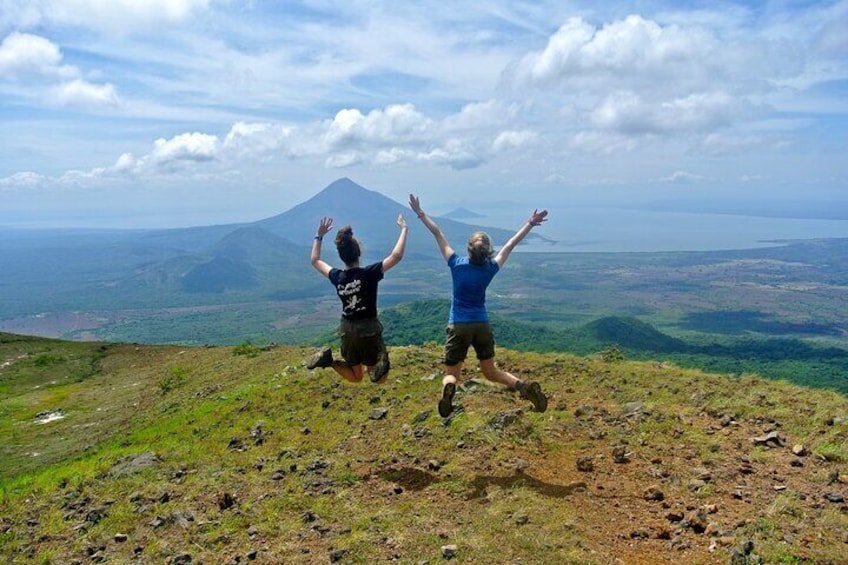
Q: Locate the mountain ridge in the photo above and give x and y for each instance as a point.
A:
(373, 217)
(201, 265)
(420, 322)
(461, 213)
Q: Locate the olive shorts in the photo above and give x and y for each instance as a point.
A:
(463, 335)
(362, 341)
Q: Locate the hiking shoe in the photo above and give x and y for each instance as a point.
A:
(533, 393)
(446, 403)
(381, 368)
(323, 359)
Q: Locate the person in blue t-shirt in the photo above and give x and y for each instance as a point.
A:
(468, 324)
(361, 333)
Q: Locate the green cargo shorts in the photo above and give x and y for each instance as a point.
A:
(468, 334)
(362, 341)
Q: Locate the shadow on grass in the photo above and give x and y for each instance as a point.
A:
(414, 479)
(519, 479)
(409, 478)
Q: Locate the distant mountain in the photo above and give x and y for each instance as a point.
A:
(462, 213)
(373, 218)
(61, 270)
(251, 257)
(630, 333)
(220, 274)
(193, 239)
(258, 246)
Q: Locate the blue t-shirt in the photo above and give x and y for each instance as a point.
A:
(468, 303)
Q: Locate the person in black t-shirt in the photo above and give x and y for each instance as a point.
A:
(360, 331)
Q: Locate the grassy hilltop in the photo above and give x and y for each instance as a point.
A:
(122, 453)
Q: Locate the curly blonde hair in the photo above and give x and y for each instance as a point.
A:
(479, 248)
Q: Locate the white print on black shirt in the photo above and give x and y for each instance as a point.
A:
(350, 296)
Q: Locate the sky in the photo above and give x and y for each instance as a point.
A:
(168, 113)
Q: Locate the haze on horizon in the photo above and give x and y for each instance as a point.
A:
(171, 113)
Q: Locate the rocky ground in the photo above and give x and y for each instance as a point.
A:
(254, 459)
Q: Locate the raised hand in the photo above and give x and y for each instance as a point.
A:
(325, 226)
(401, 222)
(536, 218)
(415, 204)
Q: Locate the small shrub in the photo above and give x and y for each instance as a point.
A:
(784, 505)
(47, 359)
(174, 379)
(612, 354)
(246, 348)
(350, 478)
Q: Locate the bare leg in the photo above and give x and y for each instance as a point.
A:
(453, 374)
(491, 372)
(449, 383)
(531, 391)
(349, 373)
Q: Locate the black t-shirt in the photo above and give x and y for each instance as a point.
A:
(357, 289)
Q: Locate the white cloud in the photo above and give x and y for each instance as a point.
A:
(751, 178)
(81, 178)
(455, 153)
(25, 179)
(399, 122)
(126, 163)
(478, 115)
(632, 52)
(105, 15)
(31, 60)
(599, 143)
(246, 140)
(81, 93)
(397, 133)
(561, 54)
(341, 160)
(730, 143)
(392, 156)
(410, 88)
(20, 13)
(382, 137)
(168, 156)
(24, 55)
(192, 147)
(636, 76)
(631, 114)
(681, 177)
(507, 140)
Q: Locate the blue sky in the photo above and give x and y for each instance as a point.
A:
(167, 113)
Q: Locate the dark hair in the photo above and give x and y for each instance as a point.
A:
(479, 251)
(348, 246)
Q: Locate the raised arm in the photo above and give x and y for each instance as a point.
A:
(536, 218)
(324, 228)
(397, 253)
(441, 240)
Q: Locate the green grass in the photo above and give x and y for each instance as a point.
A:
(832, 452)
(346, 469)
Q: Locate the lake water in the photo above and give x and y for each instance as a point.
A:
(617, 229)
